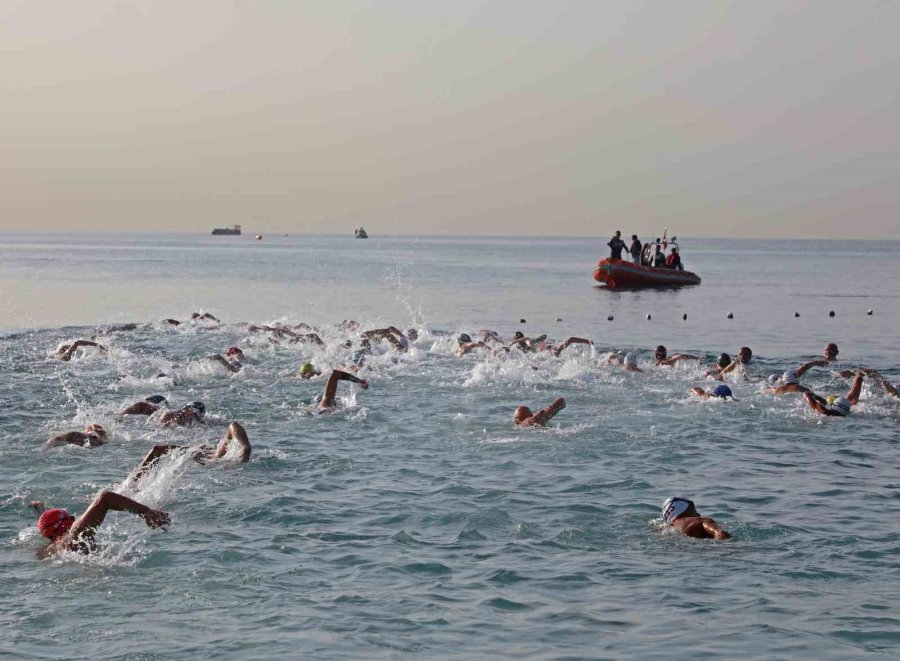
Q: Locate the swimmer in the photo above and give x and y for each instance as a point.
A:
(834, 405)
(197, 316)
(745, 356)
(393, 335)
(525, 418)
(66, 351)
(680, 514)
(789, 382)
(193, 413)
(231, 361)
(830, 355)
(723, 361)
(719, 392)
(117, 329)
(630, 363)
(235, 432)
(548, 346)
(65, 532)
(308, 371)
(93, 436)
(148, 406)
(464, 345)
(892, 390)
(616, 357)
(663, 360)
(327, 403)
(526, 343)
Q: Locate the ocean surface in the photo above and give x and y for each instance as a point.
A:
(418, 521)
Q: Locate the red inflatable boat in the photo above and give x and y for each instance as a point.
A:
(619, 274)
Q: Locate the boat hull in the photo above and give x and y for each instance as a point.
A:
(619, 274)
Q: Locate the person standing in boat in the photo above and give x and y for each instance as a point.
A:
(659, 258)
(635, 250)
(616, 246)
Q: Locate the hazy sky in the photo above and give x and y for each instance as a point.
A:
(465, 117)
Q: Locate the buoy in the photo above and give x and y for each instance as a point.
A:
(870, 313)
(684, 316)
(831, 314)
(259, 237)
(796, 314)
(609, 318)
(521, 321)
(559, 318)
(731, 315)
(649, 317)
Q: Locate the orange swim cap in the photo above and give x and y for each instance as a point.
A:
(55, 523)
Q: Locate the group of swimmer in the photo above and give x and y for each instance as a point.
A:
(65, 531)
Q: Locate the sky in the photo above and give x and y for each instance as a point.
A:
(728, 119)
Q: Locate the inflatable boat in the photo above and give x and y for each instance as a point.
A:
(619, 274)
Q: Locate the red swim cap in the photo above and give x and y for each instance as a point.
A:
(231, 351)
(55, 523)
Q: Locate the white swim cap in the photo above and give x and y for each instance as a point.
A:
(841, 405)
(630, 360)
(790, 377)
(773, 379)
(674, 507)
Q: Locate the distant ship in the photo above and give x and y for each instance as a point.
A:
(231, 229)
(360, 233)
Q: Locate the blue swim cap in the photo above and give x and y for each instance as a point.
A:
(722, 391)
(463, 338)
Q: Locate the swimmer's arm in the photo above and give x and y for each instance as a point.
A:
(814, 403)
(469, 346)
(237, 432)
(394, 342)
(67, 355)
(855, 389)
(714, 530)
(679, 356)
(570, 342)
(71, 438)
(730, 368)
(224, 363)
(543, 416)
(105, 501)
(153, 455)
(140, 408)
(803, 369)
(700, 392)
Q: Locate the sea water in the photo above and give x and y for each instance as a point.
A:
(417, 520)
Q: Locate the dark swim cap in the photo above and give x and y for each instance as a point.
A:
(155, 399)
(724, 360)
(722, 391)
(463, 338)
(200, 407)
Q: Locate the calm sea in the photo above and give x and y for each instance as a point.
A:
(417, 521)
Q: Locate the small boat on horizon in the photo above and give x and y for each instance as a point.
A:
(360, 233)
(231, 230)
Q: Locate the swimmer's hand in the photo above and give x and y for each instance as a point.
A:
(156, 518)
(364, 384)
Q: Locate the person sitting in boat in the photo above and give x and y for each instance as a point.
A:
(662, 360)
(525, 418)
(659, 257)
(673, 261)
(616, 246)
(635, 250)
(835, 405)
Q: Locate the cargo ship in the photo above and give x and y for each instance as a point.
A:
(233, 230)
